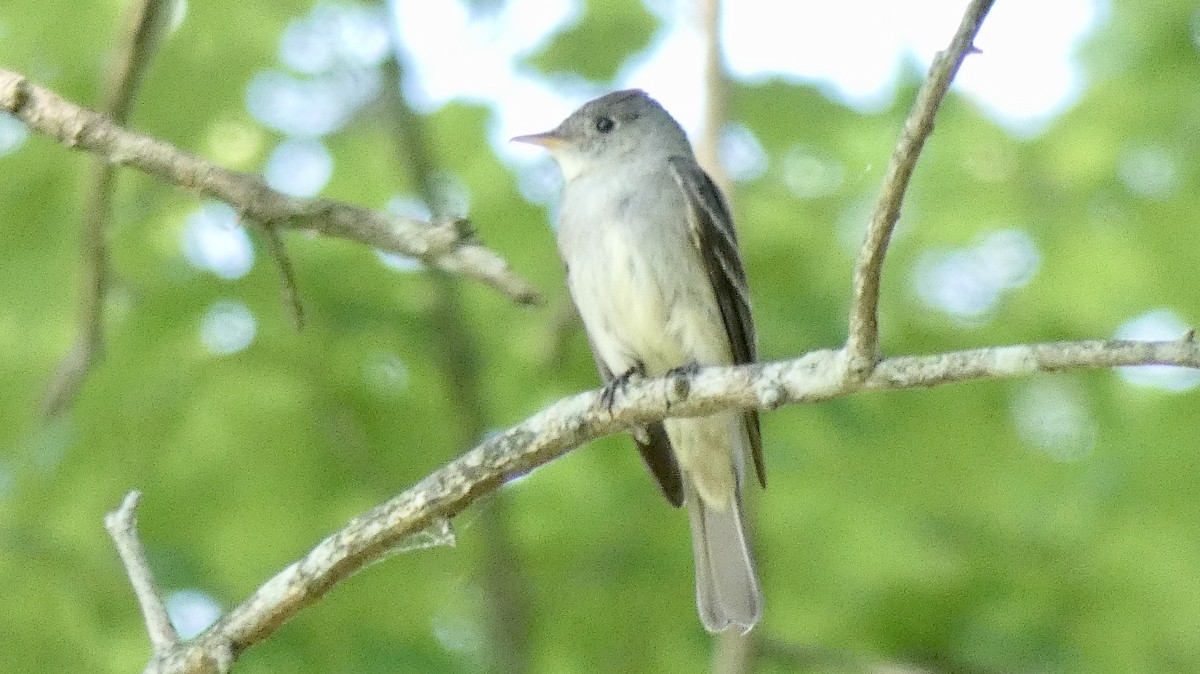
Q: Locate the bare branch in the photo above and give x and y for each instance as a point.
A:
(288, 290)
(122, 526)
(815, 377)
(448, 245)
(863, 343)
(147, 24)
(68, 377)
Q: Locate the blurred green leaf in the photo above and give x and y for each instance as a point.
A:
(957, 529)
(603, 38)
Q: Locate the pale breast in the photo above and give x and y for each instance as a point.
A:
(640, 286)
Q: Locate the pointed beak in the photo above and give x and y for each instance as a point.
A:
(550, 140)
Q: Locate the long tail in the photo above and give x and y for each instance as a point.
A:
(727, 591)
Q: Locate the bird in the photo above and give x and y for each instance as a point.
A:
(653, 267)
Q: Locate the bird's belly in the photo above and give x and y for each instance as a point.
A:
(636, 312)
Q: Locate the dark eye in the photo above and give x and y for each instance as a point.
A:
(604, 125)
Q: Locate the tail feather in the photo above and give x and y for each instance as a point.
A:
(727, 591)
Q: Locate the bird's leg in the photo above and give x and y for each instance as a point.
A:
(681, 374)
(686, 370)
(608, 395)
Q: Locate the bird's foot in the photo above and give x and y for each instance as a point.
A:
(680, 378)
(685, 370)
(608, 395)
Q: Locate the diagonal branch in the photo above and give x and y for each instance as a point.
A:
(147, 24)
(449, 245)
(122, 526)
(863, 342)
(289, 291)
(814, 377)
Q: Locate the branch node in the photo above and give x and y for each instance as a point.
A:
(859, 366)
(439, 533)
(221, 656)
(17, 93)
(445, 234)
(466, 229)
(774, 396)
(681, 385)
(125, 516)
(863, 341)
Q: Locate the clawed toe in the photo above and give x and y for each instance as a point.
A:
(608, 395)
(685, 370)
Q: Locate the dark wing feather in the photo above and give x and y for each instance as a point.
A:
(714, 236)
(655, 448)
(653, 445)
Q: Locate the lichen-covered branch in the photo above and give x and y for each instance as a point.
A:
(448, 245)
(863, 342)
(814, 377)
(433, 502)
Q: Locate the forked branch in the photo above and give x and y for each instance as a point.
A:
(862, 345)
(449, 246)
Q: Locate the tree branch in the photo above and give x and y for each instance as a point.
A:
(814, 377)
(122, 526)
(147, 24)
(289, 291)
(448, 245)
(863, 342)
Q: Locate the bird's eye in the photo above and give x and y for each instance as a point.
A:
(604, 125)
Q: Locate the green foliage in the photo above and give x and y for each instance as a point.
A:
(607, 33)
(920, 526)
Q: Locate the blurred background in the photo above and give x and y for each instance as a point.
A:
(1049, 524)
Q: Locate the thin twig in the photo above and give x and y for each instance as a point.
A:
(815, 377)
(288, 290)
(447, 245)
(122, 526)
(863, 342)
(147, 25)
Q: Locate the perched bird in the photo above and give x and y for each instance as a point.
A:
(653, 267)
